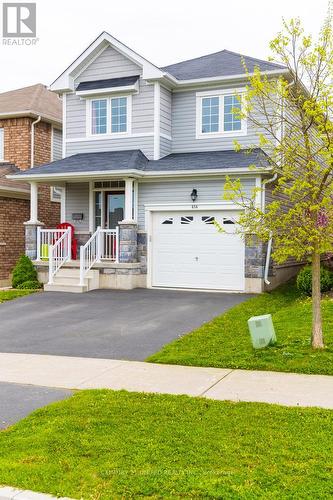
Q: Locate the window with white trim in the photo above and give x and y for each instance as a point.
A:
(99, 117)
(118, 114)
(2, 144)
(219, 113)
(56, 193)
(210, 114)
(231, 109)
(109, 115)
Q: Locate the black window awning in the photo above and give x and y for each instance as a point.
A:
(110, 83)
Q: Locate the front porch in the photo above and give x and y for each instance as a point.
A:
(105, 253)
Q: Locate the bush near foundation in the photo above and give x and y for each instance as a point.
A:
(304, 280)
(24, 272)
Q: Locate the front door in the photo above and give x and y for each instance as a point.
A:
(109, 208)
(115, 206)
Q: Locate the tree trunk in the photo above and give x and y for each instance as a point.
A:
(317, 340)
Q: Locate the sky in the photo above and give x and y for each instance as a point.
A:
(164, 32)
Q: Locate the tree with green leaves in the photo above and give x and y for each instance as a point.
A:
(292, 115)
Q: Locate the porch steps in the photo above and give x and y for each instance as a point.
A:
(68, 280)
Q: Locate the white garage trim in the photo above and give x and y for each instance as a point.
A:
(151, 209)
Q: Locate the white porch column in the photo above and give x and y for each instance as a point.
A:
(128, 215)
(33, 203)
(31, 239)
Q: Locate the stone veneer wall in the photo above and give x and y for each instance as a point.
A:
(142, 251)
(255, 257)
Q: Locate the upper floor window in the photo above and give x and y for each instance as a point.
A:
(2, 144)
(230, 109)
(210, 114)
(99, 116)
(118, 114)
(217, 114)
(109, 115)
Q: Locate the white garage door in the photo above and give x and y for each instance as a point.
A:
(189, 252)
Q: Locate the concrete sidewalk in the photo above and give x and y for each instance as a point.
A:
(214, 383)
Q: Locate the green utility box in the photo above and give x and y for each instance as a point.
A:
(262, 331)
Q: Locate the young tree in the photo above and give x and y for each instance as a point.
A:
(292, 116)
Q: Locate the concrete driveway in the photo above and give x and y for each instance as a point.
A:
(106, 323)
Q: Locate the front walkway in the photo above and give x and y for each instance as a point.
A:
(214, 383)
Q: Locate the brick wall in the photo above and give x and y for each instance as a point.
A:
(17, 143)
(14, 212)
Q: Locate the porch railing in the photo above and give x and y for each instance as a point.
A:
(103, 244)
(45, 239)
(59, 253)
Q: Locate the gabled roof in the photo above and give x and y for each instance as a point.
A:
(212, 66)
(223, 63)
(35, 101)
(134, 162)
(65, 81)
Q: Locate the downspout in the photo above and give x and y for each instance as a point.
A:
(32, 158)
(269, 245)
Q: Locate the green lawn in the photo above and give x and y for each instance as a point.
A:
(6, 295)
(225, 341)
(105, 444)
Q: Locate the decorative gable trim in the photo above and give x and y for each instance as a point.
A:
(65, 82)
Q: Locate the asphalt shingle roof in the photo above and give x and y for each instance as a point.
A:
(35, 99)
(136, 160)
(223, 63)
(8, 169)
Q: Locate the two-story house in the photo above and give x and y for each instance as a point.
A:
(30, 135)
(146, 151)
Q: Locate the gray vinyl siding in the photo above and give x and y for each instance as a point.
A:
(175, 192)
(142, 113)
(184, 128)
(57, 144)
(146, 144)
(166, 101)
(269, 198)
(165, 146)
(109, 64)
(77, 201)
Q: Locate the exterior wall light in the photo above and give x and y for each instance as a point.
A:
(194, 195)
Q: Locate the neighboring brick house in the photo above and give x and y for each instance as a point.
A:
(30, 135)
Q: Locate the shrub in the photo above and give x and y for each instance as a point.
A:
(304, 280)
(29, 285)
(23, 271)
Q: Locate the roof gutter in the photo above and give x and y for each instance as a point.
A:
(218, 79)
(30, 114)
(134, 172)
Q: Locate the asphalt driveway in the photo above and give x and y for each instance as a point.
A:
(17, 401)
(106, 323)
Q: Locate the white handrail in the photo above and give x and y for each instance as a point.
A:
(89, 254)
(59, 253)
(103, 244)
(46, 238)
